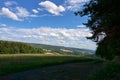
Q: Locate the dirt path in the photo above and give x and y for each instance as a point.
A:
(71, 71)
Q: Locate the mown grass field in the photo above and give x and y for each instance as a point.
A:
(11, 63)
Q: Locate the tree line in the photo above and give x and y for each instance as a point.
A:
(104, 24)
(9, 47)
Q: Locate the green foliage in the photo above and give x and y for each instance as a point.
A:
(104, 23)
(7, 47)
(108, 51)
(111, 71)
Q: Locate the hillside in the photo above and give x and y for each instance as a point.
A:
(9, 47)
(64, 50)
(20, 47)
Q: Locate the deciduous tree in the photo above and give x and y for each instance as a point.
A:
(104, 23)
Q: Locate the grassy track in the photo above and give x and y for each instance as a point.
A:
(10, 63)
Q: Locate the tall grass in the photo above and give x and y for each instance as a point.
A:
(10, 63)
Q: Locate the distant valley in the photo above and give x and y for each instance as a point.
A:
(11, 47)
(64, 50)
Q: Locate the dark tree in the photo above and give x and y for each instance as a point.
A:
(104, 23)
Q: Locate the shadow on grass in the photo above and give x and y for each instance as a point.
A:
(111, 71)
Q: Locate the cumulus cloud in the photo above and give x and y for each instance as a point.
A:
(35, 11)
(52, 7)
(17, 13)
(7, 13)
(52, 36)
(10, 3)
(74, 4)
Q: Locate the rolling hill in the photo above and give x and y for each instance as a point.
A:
(64, 50)
(20, 47)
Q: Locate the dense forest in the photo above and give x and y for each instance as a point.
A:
(8, 47)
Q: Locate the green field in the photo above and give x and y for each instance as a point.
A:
(11, 63)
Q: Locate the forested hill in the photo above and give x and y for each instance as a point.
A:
(9, 47)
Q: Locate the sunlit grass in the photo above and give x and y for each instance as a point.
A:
(10, 63)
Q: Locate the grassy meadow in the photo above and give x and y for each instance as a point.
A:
(11, 63)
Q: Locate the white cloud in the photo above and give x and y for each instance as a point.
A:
(7, 13)
(35, 11)
(14, 12)
(52, 36)
(10, 3)
(52, 7)
(74, 5)
(3, 25)
(22, 12)
(77, 1)
(17, 13)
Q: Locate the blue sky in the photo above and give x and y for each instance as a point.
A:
(44, 21)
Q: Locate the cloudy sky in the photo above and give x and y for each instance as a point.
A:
(44, 21)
